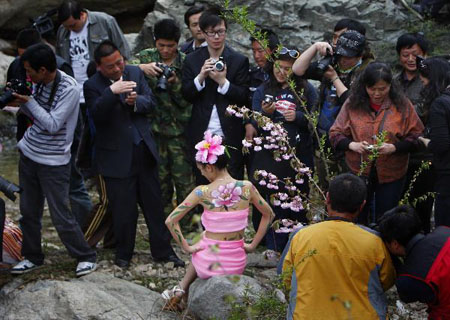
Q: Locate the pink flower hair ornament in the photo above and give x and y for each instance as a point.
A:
(209, 149)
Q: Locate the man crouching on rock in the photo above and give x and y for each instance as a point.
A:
(44, 165)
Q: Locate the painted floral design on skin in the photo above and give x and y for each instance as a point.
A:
(226, 195)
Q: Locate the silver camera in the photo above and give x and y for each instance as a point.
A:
(268, 99)
(220, 64)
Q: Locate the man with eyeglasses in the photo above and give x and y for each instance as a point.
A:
(336, 71)
(212, 90)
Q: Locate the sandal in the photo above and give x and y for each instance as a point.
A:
(173, 299)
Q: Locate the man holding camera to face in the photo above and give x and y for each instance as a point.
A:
(162, 67)
(336, 71)
(126, 155)
(215, 77)
(44, 165)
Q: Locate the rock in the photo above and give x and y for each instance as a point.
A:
(95, 296)
(300, 23)
(5, 61)
(15, 15)
(211, 298)
(259, 261)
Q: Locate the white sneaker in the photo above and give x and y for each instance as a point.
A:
(24, 266)
(85, 267)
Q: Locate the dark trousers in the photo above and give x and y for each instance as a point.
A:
(142, 186)
(381, 197)
(99, 223)
(80, 202)
(40, 181)
(423, 184)
(2, 226)
(442, 210)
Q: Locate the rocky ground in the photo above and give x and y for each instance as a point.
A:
(149, 274)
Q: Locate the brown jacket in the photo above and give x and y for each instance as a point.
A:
(361, 125)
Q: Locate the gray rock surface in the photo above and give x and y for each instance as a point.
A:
(208, 298)
(5, 61)
(302, 22)
(95, 296)
(14, 15)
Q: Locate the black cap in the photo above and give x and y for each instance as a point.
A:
(350, 44)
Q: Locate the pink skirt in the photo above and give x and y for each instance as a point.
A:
(219, 258)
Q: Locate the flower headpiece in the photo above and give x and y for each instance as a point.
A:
(209, 149)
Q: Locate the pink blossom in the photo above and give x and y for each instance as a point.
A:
(245, 143)
(226, 195)
(257, 140)
(283, 230)
(238, 115)
(263, 173)
(209, 149)
(257, 148)
(276, 203)
(300, 181)
(286, 156)
(231, 111)
(282, 196)
(278, 159)
(285, 205)
(262, 182)
(287, 222)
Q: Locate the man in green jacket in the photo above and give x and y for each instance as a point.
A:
(162, 67)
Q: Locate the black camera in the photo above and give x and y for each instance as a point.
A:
(14, 86)
(268, 99)
(220, 64)
(9, 189)
(44, 24)
(326, 61)
(163, 78)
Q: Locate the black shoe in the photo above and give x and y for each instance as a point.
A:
(171, 258)
(124, 264)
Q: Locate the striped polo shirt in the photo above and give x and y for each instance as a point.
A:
(48, 140)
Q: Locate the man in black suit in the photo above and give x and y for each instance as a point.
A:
(211, 90)
(118, 99)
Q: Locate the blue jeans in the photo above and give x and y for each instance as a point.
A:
(40, 181)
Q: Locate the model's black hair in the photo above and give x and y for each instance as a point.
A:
(401, 223)
(347, 193)
(211, 17)
(407, 40)
(104, 49)
(350, 24)
(374, 72)
(40, 55)
(191, 11)
(167, 29)
(28, 37)
(69, 9)
(272, 38)
(437, 71)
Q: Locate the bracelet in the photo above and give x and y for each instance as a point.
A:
(332, 81)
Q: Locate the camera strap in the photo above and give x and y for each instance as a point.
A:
(54, 88)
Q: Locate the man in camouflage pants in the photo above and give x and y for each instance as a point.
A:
(172, 112)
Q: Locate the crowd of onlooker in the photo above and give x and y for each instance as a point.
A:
(143, 128)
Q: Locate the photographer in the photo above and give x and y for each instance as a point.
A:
(44, 166)
(162, 67)
(336, 72)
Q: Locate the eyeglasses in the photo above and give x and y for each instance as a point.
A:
(219, 33)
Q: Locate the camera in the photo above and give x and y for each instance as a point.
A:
(9, 189)
(220, 64)
(14, 86)
(163, 78)
(268, 99)
(44, 24)
(326, 61)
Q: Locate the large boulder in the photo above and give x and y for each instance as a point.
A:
(15, 15)
(212, 298)
(96, 296)
(302, 22)
(5, 61)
